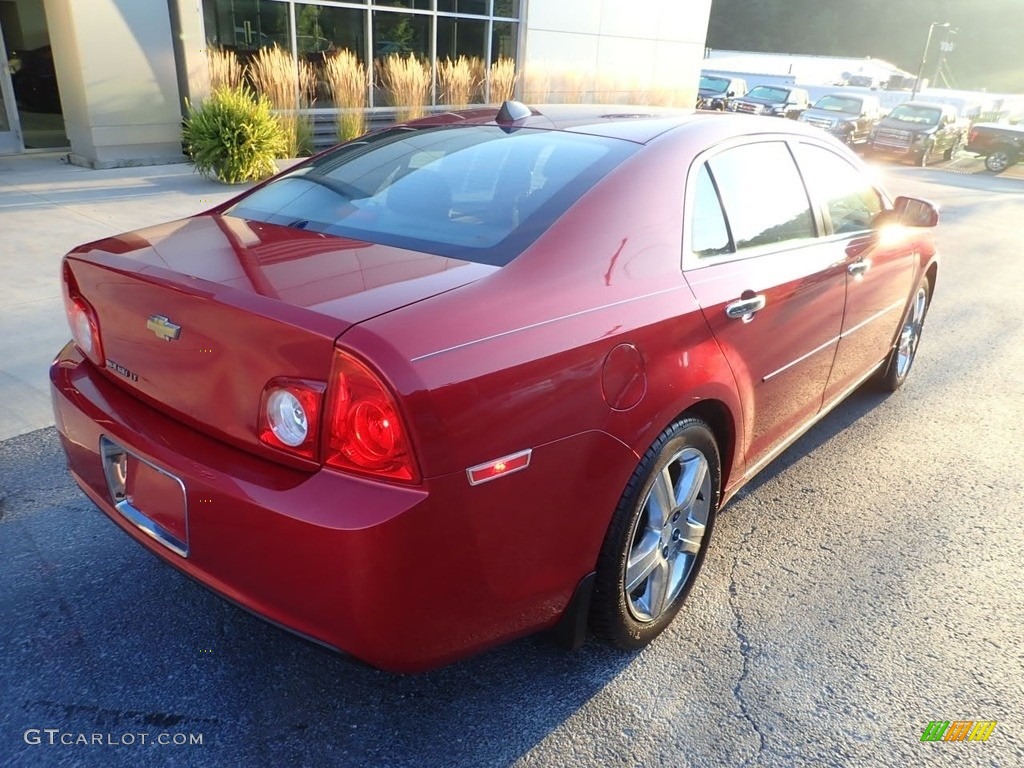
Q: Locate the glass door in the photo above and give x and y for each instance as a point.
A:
(10, 134)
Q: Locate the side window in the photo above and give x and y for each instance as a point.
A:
(763, 195)
(709, 235)
(852, 203)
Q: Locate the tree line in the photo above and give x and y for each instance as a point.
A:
(987, 35)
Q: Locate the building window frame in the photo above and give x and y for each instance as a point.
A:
(369, 7)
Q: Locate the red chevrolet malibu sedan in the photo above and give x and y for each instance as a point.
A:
(483, 374)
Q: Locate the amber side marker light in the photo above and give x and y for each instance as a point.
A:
(506, 465)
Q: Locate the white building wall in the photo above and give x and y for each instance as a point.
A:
(118, 84)
(115, 62)
(646, 51)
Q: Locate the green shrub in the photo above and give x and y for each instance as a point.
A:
(233, 135)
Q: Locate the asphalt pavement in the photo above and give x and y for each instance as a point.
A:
(866, 583)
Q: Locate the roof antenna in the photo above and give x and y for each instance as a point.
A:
(511, 112)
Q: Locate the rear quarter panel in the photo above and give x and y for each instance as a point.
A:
(516, 359)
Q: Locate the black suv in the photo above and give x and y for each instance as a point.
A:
(777, 100)
(716, 91)
(918, 130)
(848, 117)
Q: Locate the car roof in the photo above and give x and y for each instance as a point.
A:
(638, 124)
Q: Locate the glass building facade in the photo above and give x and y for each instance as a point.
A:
(433, 30)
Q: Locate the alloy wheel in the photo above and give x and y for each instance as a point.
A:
(911, 333)
(998, 161)
(668, 535)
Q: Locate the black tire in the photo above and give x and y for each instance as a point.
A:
(921, 161)
(897, 367)
(668, 547)
(999, 160)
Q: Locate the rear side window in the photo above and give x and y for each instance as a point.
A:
(471, 192)
(852, 203)
(709, 235)
(763, 196)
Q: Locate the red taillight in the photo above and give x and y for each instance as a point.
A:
(364, 431)
(85, 326)
(290, 415)
(973, 136)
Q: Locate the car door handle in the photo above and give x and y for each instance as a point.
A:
(859, 267)
(744, 309)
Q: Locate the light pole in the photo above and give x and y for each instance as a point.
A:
(924, 56)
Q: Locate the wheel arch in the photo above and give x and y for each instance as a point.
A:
(931, 274)
(720, 411)
(719, 418)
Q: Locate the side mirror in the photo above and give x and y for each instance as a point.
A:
(730, 94)
(912, 212)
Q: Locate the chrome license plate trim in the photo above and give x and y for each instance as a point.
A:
(111, 454)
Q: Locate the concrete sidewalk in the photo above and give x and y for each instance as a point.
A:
(46, 208)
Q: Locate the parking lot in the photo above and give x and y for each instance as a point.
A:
(866, 583)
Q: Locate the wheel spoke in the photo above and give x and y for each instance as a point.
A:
(692, 536)
(919, 304)
(643, 559)
(662, 500)
(691, 480)
(658, 588)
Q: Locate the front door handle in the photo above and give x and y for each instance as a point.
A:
(858, 268)
(744, 309)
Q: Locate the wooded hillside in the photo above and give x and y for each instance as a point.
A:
(988, 43)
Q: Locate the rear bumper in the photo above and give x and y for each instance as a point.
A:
(402, 578)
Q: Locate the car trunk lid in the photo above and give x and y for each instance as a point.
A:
(197, 316)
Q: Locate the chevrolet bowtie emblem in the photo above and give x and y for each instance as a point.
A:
(163, 327)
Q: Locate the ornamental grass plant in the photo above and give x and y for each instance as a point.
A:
(290, 86)
(224, 69)
(536, 85)
(347, 81)
(406, 80)
(458, 81)
(503, 80)
(233, 135)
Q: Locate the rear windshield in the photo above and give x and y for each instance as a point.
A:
(473, 192)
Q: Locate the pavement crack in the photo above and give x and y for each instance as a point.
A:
(739, 630)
